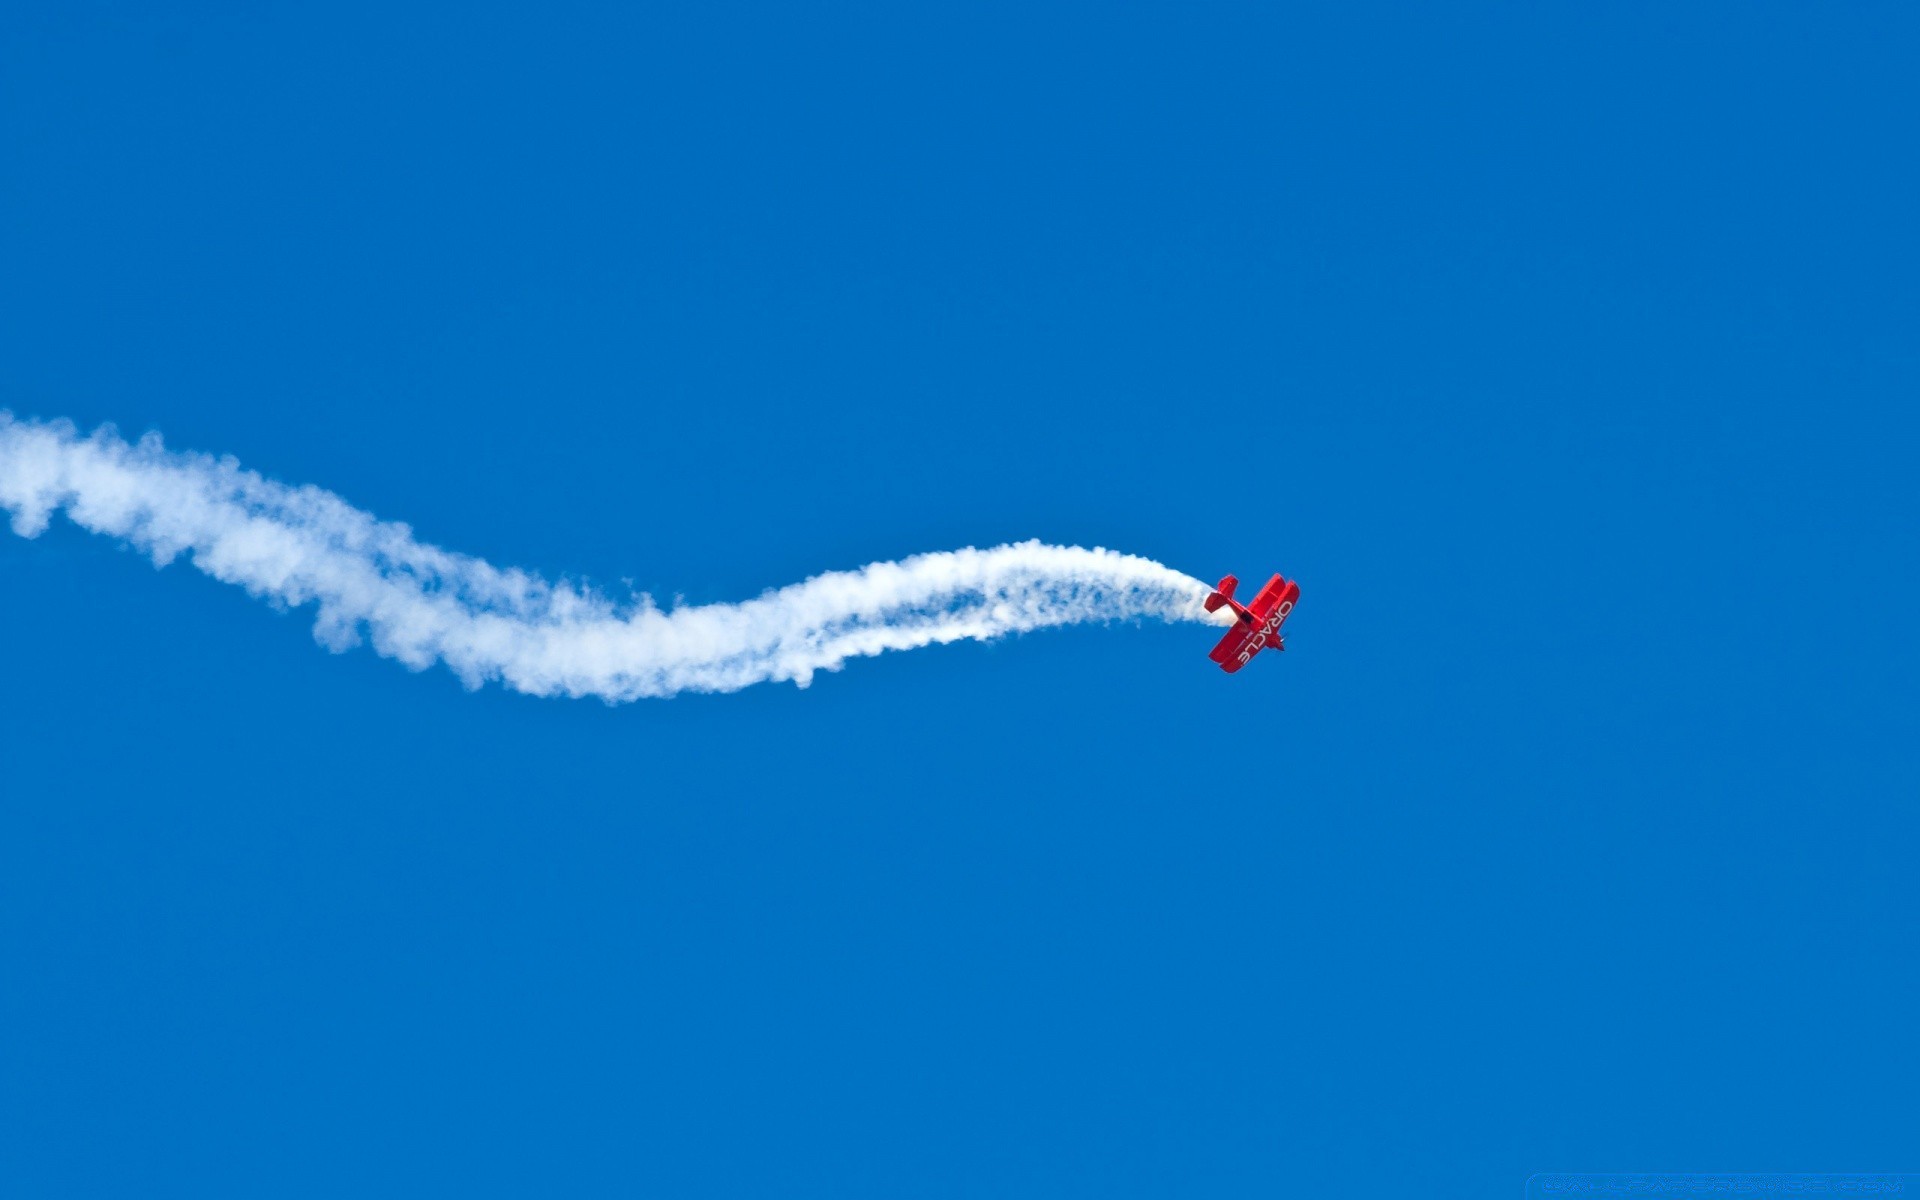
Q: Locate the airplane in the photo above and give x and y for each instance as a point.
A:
(1256, 626)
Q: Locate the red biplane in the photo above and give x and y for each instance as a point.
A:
(1256, 626)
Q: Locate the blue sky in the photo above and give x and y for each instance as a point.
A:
(1565, 357)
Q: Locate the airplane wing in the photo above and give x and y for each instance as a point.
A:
(1268, 598)
(1227, 650)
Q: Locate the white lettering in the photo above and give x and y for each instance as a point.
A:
(1258, 641)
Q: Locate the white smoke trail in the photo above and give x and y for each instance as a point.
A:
(419, 604)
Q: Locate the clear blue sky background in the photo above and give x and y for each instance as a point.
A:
(1566, 354)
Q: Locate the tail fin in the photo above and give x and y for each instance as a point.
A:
(1223, 594)
(1222, 597)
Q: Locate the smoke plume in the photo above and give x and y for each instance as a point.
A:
(415, 603)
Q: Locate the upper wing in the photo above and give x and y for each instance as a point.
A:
(1268, 596)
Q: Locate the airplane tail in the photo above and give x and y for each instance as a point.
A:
(1222, 598)
(1223, 594)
